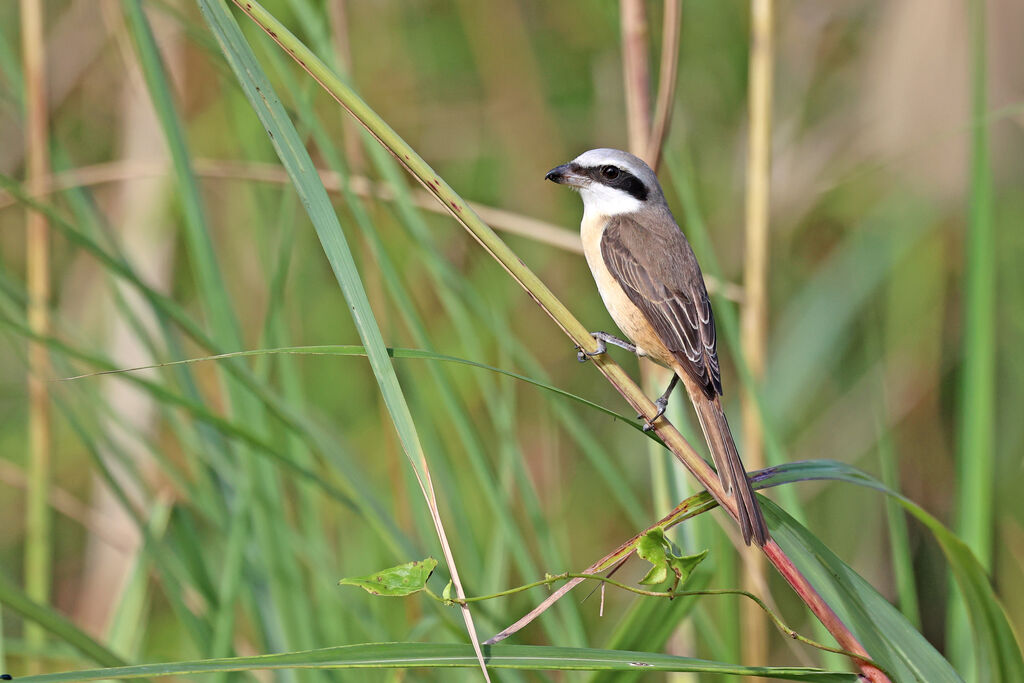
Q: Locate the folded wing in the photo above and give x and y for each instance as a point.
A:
(659, 274)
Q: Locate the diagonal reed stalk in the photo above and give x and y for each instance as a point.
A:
(38, 557)
(754, 310)
(559, 313)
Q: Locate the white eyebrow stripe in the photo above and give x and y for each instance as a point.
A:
(601, 157)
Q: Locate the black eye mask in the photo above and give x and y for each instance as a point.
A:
(625, 181)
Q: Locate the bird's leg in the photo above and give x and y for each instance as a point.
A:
(662, 404)
(603, 339)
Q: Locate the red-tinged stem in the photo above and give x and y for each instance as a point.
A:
(822, 610)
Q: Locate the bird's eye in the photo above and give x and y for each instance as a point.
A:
(610, 172)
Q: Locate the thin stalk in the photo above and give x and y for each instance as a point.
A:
(689, 508)
(636, 72)
(754, 309)
(544, 297)
(38, 553)
(976, 446)
(670, 32)
(670, 594)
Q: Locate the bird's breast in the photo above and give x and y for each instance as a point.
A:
(627, 316)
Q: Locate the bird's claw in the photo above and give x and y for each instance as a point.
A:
(662, 404)
(582, 354)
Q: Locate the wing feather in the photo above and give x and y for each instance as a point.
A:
(659, 274)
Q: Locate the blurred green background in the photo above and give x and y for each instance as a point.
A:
(871, 189)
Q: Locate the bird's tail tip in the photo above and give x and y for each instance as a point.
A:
(731, 471)
(752, 524)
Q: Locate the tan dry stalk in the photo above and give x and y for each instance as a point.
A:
(38, 553)
(636, 72)
(754, 310)
(670, 31)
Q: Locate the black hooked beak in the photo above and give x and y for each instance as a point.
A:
(563, 175)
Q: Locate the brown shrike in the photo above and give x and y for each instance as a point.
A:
(652, 286)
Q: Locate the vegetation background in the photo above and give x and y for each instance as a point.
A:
(895, 308)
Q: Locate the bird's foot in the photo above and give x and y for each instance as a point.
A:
(582, 354)
(603, 339)
(662, 404)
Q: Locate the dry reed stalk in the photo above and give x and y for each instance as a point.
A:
(636, 72)
(38, 554)
(754, 310)
(667, 71)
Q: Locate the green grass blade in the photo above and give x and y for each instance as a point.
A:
(890, 640)
(16, 600)
(648, 624)
(306, 181)
(977, 410)
(976, 445)
(999, 655)
(899, 536)
(438, 655)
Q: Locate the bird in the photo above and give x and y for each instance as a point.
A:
(652, 286)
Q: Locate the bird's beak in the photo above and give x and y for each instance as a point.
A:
(563, 175)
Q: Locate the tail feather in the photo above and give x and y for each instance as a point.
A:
(730, 468)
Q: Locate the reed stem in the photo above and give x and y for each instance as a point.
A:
(38, 553)
(636, 73)
(754, 310)
(976, 445)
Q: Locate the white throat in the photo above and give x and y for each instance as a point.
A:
(601, 200)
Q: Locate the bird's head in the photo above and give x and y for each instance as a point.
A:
(610, 181)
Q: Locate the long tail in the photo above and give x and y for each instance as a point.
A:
(730, 467)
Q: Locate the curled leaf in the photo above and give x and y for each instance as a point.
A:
(404, 579)
(666, 559)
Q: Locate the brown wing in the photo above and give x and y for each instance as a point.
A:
(660, 275)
